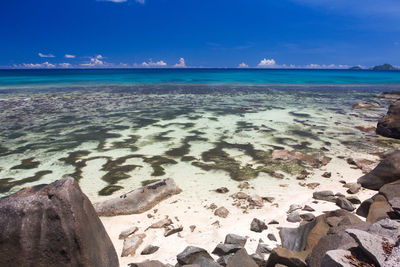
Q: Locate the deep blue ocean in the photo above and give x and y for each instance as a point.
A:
(49, 78)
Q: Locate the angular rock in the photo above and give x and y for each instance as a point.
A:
(240, 195)
(258, 226)
(190, 254)
(221, 212)
(128, 232)
(222, 190)
(296, 238)
(344, 204)
(131, 244)
(235, 239)
(294, 217)
(363, 209)
(271, 237)
(161, 224)
(387, 171)
(327, 175)
(150, 249)
(390, 191)
(224, 249)
(379, 209)
(273, 222)
(389, 126)
(307, 216)
(386, 227)
(241, 259)
(353, 188)
(370, 244)
(138, 200)
(223, 261)
(308, 208)
(263, 249)
(258, 259)
(173, 231)
(294, 207)
(324, 195)
(286, 257)
(55, 224)
(255, 200)
(336, 258)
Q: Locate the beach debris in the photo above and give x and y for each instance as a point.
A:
(294, 217)
(172, 231)
(258, 226)
(235, 239)
(190, 254)
(222, 190)
(138, 200)
(128, 232)
(224, 249)
(150, 249)
(131, 244)
(221, 212)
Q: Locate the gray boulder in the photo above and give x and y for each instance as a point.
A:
(344, 204)
(190, 254)
(324, 195)
(294, 217)
(387, 171)
(205, 262)
(235, 239)
(224, 249)
(53, 225)
(241, 259)
(138, 200)
(258, 226)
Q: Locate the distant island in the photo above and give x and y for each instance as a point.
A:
(355, 68)
(385, 67)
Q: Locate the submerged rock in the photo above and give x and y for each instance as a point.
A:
(367, 105)
(52, 225)
(138, 200)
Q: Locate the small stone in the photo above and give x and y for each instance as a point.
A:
(256, 200)
(128, 232)
(327, 175)
(294, 217)
(212, 206)
(342, 181)
(308, 208)
(339, 195)
(235, 239)
(131, 244)
(312, 186)
(278, 175)
(173, 231)
(216, 224)
(240, 195)
(222, 190)
(354, 200)
(354, 188)
(269, 199)
(271, 237)
(160, 224)
(273, 222)
(221, 212)
(324, 195)
(244, 185)
(293, 207)
(192, 227)
(258, 226)
(150, 249)
(345, 204)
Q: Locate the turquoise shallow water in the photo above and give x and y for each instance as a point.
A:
(114, 129)
(37, 78)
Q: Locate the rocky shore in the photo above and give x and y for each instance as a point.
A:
(339, 221)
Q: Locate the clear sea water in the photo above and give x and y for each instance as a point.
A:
(114, 130)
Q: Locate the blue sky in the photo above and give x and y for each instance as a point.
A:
(199, 33)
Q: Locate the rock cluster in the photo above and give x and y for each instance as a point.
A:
(389, 126)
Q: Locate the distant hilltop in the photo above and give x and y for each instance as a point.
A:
(385, 67)
(378, 67)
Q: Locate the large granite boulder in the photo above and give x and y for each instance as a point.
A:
(389, 126)
(138, 200)
(53, 225)
(387, 171)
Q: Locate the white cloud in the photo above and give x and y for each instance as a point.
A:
(69, 56)
(45, 65)
(325, 66)
(243, 65)
(64, 65)
(44, 55)
(267, 63)
(95, 62)
(150, 64)
(181, 63)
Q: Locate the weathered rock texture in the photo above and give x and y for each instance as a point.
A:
(138, 200)
(53, 225)
(389, 125)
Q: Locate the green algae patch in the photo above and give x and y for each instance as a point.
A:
(217, 159)
(8, 183)
(147, 182)
(119, 173)
(74, 159)
(27, 164)
(127, 143)
(156, 163)
(188, 158)
(161, 137)
(109, 190)
(3, 149)
(179, 151)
